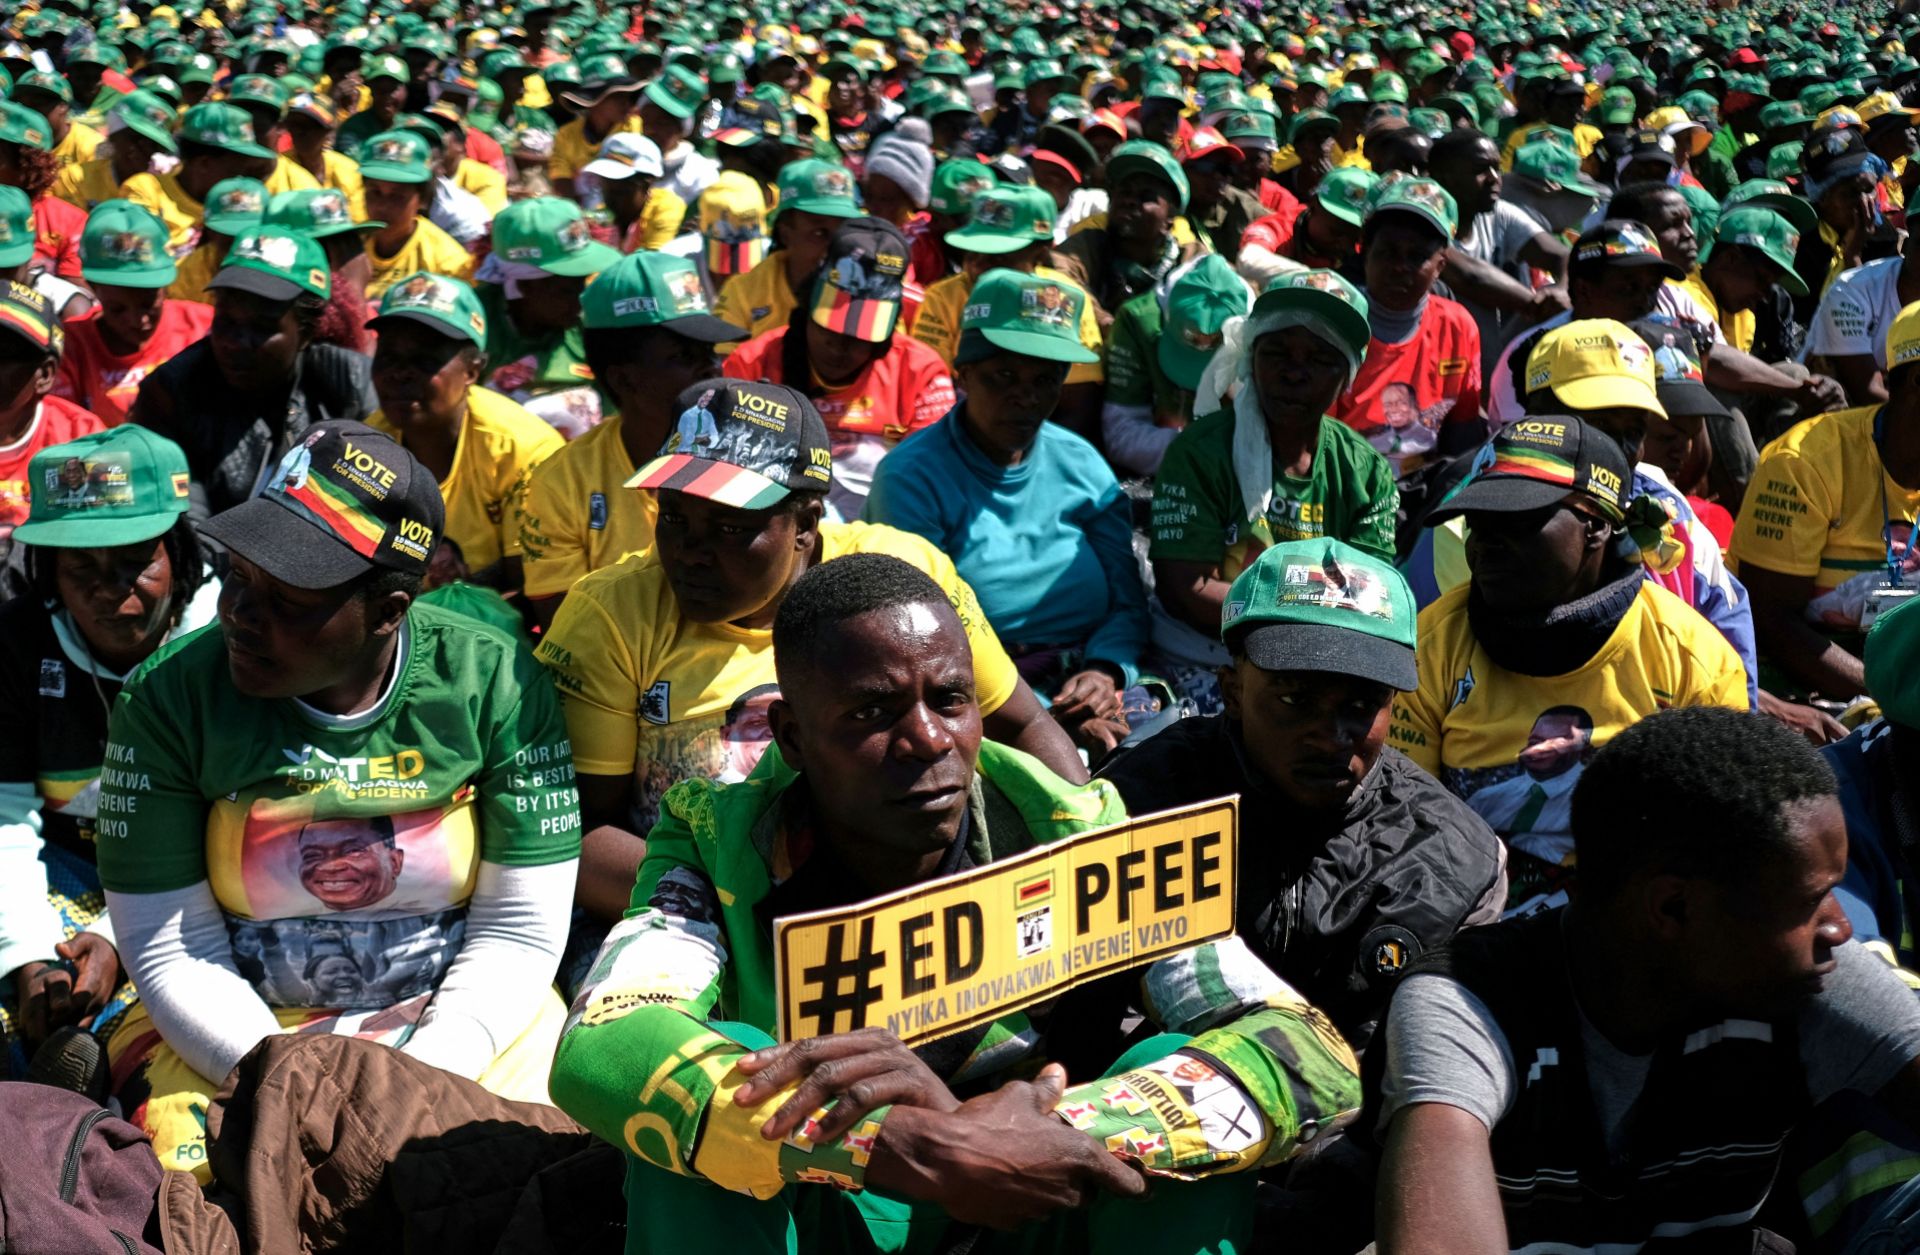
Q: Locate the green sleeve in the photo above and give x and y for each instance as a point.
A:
(1129, 377)
(1370, 516)
(150, 836)
(640, 1065)
(1192, 497)
(529, 808)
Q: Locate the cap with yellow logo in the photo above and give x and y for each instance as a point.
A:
(1594, 364)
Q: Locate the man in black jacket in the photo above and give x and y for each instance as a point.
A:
(239, 399)
(1353, 861)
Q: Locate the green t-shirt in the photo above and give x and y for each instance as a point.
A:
(1198, 517)
(1134, 376)
(341, 850)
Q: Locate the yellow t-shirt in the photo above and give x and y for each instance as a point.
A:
(169, 202)
(938, 323)
(485, 182)
(343, 176)
(428, 248)
(193, 273)
(1814, 506)
(649, 693)
(499, 445)
(1479, 727)
(758, 300)
(572, 149)
(79, 145)
(290, 176)
(88, 184)
(1738, 328)
(1355, 156)
(578, 515)
(658, 223)
(1586, 138)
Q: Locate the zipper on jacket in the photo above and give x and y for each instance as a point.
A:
(70, 1166)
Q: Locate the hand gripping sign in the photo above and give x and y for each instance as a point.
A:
(946, 955)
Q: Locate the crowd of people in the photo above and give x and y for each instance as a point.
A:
(499, 505)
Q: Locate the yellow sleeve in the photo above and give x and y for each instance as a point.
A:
(588, 658)
(994, 676)
(1788, 512)
(661, 218)
(485, 182)
(449, 259)
(1094, 371)
(1711, 673)
(735, 303)
(514, 492)
(67, 184)
(567, 155)
(1415, 730)
(934, 325)
(552, 557)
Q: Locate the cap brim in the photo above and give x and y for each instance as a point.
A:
(1036, 344)
(284, 545)
(601, 168)
(22, 253)
(1499, 494)
(706, 328)
(1431, 219)
(1345, 318)
(667, 104)
(395, 174)
(140, 126)
(94, 533)
(825, 208)
(155, 278)
(1183, 363)
(444, 327)
(722, 482)
(327, 233)
(1335, 650)
(1601, 392)
(988, 243)
(255, 282)
(587, 95)
(590, 260)
(1689, 398)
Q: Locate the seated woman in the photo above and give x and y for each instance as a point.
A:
(116, 571)
(845, 351)
(1270, 467)
(1030, 513)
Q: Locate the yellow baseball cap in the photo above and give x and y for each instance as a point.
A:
(1903, 338)
(1597, 363)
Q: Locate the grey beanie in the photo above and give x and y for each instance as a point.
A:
(905, 155)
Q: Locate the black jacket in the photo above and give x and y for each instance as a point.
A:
(1338, 909)
(229, 442)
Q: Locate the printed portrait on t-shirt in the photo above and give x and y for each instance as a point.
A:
(344, 963)
(1530, 802)
(349, 864)
(748, 730)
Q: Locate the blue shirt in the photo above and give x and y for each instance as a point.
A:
(1046, 544)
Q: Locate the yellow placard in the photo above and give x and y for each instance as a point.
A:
(952, 953)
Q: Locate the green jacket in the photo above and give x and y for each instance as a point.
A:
(643, 1065)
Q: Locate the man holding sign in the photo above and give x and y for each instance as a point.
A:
(879, 781)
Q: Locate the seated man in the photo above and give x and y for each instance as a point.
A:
(666, 658)
(1353, 861)
(881, 779)
(1138, 245)
(1324, 234)
(1627, 1068)
(340, 813)
(1553, 646)
(1824, 539)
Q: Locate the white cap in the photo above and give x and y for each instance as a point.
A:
(624, 155)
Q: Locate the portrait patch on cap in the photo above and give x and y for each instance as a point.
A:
(391, 150)
(835, 183)
(329, 209)
(240, 200)
(1335, 585)
(425, 292)
(688, 296)
(78, 484)
(1047, 304)
(1322, 280)
(573, 236)
(278, 251)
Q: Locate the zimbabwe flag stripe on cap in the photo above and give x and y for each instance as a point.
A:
(716, 481)
(870, 320)
(25, 321)
(1537, 466)
(340, 514)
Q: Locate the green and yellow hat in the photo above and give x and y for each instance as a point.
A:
(448, 306)
(125, 246)
(236, 205)
(1322, 605)
(275, 264)
(1006, 220)
(550, 233)
(114, 487)
(1029, 315)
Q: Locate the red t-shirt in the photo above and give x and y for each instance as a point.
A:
(1406, 392)
(56, 230)
(1278, 199)
(58, 422)
(93, 376)
(486, 150)
(1276, 233)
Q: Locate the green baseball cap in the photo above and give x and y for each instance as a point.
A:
(1777, 196)
(223, 126)
(1028, 315)
(16, 227)
(396, 156)
(1006, 220)
(677, 91)
(54, 85)
(392, 67)
(552, 234)
(258, 89)
(1309, 120)
(816, 187)
(1198, 306)
(1618, 107)
(1143, 156)
(236, 205)
(1554, 168)
(1770, 234)
(119, 486)
(1323, 605)
(1892, 658)
(956, 184)
(446, 305)
(318, 212)
(1335, 304)
(21, 125)
(1784, 113)
(1345, 191)
(651, 289)
(125, 246)
(275, 264)
(144, 113)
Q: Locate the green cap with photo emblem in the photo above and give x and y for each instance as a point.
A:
(446, 305)
(125, 246)
(318, 212)
(1344, 193)
(16, 227)
(114, 487)
(956, 184)
(652, 289)
(144, 113)
(1029, 315)
(552, 234)
(1323, 605)
(817, 187)
(1769, 234)
(236, 205)
(396, 156)
(223, 126)
(275, 264)
(1006, 220)
(1421, 198)
(1205, 294)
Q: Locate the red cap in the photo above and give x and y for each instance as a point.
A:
(1745, 56)
(1207, 142)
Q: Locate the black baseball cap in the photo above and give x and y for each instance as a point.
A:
(344, 500)
(747, 445)
(1679, 380)
(1538, 460)
(1623, 242)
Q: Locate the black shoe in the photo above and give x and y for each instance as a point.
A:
(74, 1059)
